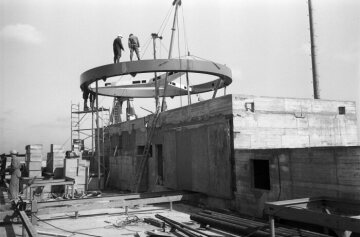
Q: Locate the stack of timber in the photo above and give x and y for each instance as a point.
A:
(248, 227)
(55, 161)
(33, 160)
(77, 169)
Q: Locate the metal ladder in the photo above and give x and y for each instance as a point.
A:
(75, 122)
(115, 112)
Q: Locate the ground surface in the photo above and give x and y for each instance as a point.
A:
(108, 222)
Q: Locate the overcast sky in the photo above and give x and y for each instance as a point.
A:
(45, 45)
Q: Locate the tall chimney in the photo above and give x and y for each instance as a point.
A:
(313, 58)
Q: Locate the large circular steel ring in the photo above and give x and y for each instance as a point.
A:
(161, 65)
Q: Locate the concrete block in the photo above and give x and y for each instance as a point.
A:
(293, 141)
(82, 162)
(58, 173)
(33, 165)
(56, 148)
(33, 173)
(58, 163)
(242, 141)
(265, 141)
(80, 180)
(34, 147)
(70, 163)
(81, 170)
(34, 157)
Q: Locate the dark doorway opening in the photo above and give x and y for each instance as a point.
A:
(261, 174)
(160, 163)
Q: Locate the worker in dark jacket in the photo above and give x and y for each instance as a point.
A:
(134, 45)
(117, 47)
(15, 176)
(86, 94)
(2, 169)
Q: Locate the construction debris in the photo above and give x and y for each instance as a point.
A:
(247, 227)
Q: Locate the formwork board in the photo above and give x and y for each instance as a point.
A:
(219, 160)
(184, 159)
(199, 169)
(170, 177)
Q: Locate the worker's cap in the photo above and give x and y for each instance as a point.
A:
(13, 152)
(120, 36)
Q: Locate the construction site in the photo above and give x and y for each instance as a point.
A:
(230, 165)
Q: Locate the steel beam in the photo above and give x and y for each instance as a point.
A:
(159, 65)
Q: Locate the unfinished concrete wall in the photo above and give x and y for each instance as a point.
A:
(195, 149)
(126, 142)
(210, 147)
(296, 173)
(197, 157)
(266, 122)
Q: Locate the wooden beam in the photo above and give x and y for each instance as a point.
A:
(27, 224)
(110, 204)
(105, 199)
(313, 217)
(51, 184)
(43, 232)
(296, 201)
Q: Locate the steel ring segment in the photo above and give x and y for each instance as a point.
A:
(161, 65)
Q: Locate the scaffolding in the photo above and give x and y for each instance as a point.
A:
(81, 133)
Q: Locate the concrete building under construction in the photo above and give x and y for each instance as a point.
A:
(242, 151)
(239, 162)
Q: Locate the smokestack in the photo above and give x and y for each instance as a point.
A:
(313, 58)
(358, 105)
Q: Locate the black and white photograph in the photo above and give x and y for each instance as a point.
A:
(180, 118)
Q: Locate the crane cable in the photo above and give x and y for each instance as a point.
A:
(178, 36)
(166, 19)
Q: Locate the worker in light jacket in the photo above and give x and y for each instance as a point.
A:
(15, 176)
(134, 45)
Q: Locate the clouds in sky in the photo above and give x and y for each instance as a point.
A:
(22, 33)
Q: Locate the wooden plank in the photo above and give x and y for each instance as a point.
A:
(312, 217)
(113, 204)
(52, 184)
(27, 224)
(294, 201)
(200, 162)
(105, 199)
(170, 180)
(184, 159)
(220, 180)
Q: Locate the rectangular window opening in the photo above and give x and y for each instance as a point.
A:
(140, 150)
(250, 106)
(261, 173)
(342, 110)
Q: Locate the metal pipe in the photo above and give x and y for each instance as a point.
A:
(272, 226)
(98, 135)
(71, 126)
(176, 2)
(225, 225)
(176, 226)
(188, 88)
(92, 132)
(163, 218)
(313, 58)
(154, 37)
